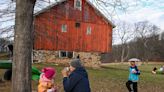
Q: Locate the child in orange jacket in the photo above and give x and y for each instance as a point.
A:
(46, 82)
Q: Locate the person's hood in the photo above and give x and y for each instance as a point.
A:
(81, 71)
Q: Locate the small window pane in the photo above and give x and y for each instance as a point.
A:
(77, 25)
(64, 28)
(89, 30)
(63, 54)
(78, 4)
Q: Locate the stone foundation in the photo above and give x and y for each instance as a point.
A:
(87, 58)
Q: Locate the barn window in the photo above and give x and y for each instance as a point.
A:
(64, 28)
(89, 30)
(62, 54)
(78, 4)
(65, 54)
(77, 25)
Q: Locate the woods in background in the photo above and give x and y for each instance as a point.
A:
(144, 40)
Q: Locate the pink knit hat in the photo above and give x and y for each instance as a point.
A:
(49, 72)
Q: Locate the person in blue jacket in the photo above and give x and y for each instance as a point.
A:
(75, 78)
(133, 77)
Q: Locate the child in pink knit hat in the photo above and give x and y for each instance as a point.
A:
(46, 82)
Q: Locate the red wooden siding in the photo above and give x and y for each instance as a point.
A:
(49, 36)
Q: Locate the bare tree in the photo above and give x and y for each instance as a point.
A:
(143, 42)
(7, 15)
(143, 30)
(125, 34)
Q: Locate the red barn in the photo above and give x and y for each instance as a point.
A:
(72, 25)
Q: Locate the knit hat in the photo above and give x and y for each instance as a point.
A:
(76, 63)
(49, 72)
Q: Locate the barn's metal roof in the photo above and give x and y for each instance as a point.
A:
(61, 1)
(49, 7)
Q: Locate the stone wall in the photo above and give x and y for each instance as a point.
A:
(87, 58)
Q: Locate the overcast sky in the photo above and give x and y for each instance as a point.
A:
(151, 10)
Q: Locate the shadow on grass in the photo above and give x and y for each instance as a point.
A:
(121, 69)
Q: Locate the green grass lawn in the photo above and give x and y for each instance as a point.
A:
(111, 78)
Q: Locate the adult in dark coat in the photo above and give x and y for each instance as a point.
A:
(10, 47)
(75, 78)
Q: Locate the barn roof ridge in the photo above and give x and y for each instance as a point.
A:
(61, 1)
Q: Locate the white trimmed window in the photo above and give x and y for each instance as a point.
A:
(64, 28)
(78, 4)
(89, 30)
(66, 54)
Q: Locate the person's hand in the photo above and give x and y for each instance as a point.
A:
(134, 71)
(64, 73)
(55, 88)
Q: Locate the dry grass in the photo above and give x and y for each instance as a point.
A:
(110, 78)
(4, 56)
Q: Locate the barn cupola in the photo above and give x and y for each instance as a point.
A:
(78, 4)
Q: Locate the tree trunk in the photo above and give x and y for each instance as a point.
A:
(124, 55)
(23, 45)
